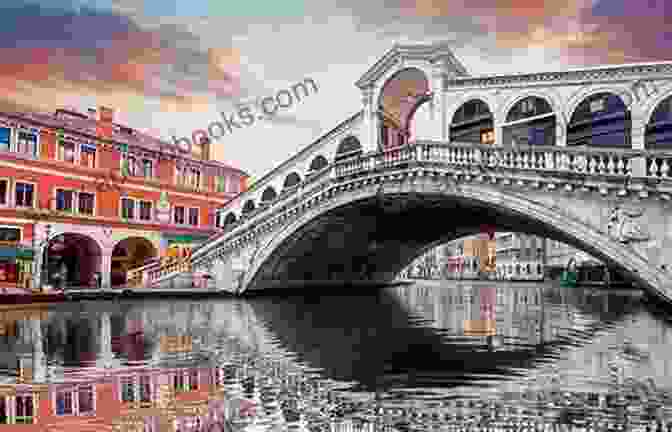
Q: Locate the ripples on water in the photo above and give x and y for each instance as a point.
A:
(431, 356)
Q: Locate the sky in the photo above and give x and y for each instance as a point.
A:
(169, 67)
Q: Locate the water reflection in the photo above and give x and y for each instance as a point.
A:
(464, 355)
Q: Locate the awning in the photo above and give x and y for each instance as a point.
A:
(8, 252)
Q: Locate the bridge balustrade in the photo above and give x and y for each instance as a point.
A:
(658, 166)
(469, 159)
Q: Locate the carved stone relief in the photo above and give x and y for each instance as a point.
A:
(624, 227)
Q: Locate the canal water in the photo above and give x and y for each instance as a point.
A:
(429, 356)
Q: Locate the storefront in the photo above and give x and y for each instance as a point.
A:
(15, 264)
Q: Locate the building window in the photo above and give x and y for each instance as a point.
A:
(127, 390)
(193, 216)
(66, 151)
(64, 403)
(65, 200)
(4, 191)
(220, 183)
(5, 139)
(86, 400)
(27, 143)
(132, 165)
(127, 208)
(24, 409)
(147, 168)
(88, 155)
(24, 194)
(145, 210)
(194, 178)
(178, 212)
(145, 389)
(193, 380)
(86, 203)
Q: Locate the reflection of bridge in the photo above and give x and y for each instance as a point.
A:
(434, 154)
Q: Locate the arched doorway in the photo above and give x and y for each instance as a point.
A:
(348, 147)
(399, 100)
(71, 260)
(128, 254)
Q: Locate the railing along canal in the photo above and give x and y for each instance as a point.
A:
(470, 159)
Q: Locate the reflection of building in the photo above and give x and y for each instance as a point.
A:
(108, 197)
(558, 255)
(520, 256)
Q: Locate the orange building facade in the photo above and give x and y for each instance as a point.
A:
(83, 199)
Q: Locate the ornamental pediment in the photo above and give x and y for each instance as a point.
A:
(432, 53)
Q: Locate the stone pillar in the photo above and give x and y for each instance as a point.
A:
(105, 340)
(106, 269)
(39, 358)
(371, 122)
(438, 102)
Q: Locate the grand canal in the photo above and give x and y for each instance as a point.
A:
(429, 356)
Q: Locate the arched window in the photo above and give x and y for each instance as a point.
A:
(473, 122)
(539, 130)
(268, 195)
(601, 120)
(659, 128)
(291, 180)
(248, 206)
(318, 163)
(229, 220)
(348, 147)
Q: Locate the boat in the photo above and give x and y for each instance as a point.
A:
(570, 275)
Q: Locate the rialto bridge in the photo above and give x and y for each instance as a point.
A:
(579, 156)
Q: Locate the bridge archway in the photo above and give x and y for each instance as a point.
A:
(531, 121)
(130, 253)
(268, 195)
(348, 147)
(318, 163)
(72, 260)
(292, 179)
(248, 206)
(229, 219)
(658, 132)
(401, 96)
(355, 235)
(601, 119)
(473, 122)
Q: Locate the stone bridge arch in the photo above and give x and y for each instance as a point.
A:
(471, 204)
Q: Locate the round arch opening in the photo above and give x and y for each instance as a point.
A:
(398, 102)
(658, 133)
(474, 123)
(130, 253)
(292, 179)
(72, 260)
(269, 194)
(530, 122)
(600, 120)
(348, 147)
